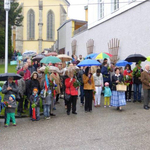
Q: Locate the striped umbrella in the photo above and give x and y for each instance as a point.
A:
(103, 55)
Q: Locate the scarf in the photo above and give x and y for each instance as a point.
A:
(35, 96)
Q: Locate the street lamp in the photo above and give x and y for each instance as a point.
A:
(7, 8)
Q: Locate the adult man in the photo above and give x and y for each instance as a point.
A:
(27, 73)
(30, 67)
(26, 77)
(80, 58)
(145, 78)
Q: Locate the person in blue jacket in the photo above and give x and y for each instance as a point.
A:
(107, 95)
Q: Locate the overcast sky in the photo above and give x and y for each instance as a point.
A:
(76, 11)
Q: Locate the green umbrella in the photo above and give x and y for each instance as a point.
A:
(148, 58)
(50, 59)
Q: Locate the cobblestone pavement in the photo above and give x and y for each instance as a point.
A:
(103, 129)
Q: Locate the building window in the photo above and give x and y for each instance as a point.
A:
(100, 9)
(31, 24)
(116, 5)
(50, 25)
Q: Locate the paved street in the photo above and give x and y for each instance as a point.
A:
(103, 129)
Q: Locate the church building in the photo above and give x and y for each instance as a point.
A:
(42, 18)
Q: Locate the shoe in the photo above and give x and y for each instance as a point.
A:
(139, 101)
(129, 100)
(134, 101)
(14, 124)
(6, 126)
(52, 115)
(33, 119)
(117, 108)
(99, 105)
(74, 113)
(68, 113)
(47, 118)
(104, 106)
(120, 108)
(54, 108)
(95, 105)
(37, 119)
(146, 107)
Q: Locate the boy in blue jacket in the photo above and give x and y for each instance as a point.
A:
(107, 95)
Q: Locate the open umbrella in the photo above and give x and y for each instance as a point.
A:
(91, 55)
(148, 58)
(135, 58)
(53, 68)
(38, 57)
(122, 63)
(4, 76)
(64, 57)
(50, 59)
(89, 62)
(51, 54)
(103, 56)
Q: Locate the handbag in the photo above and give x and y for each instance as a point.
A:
(67, 96)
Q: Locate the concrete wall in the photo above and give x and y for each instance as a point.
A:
(132, 28)
(108, 10)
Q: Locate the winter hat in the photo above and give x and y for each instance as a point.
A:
(35, 89)
(13, 96)
(106, 84)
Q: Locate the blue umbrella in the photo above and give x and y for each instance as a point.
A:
(91, 55)
(122, 63)
(89, 62)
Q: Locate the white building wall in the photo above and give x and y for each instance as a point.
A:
(94, 20)
(132, 28)
(61, 35)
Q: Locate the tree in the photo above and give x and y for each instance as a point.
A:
(15, 19)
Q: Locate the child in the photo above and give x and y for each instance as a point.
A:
(107, 95)
(35, 103)
(46, 97)
(11, 110)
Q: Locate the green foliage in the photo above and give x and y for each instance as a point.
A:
(15, 19)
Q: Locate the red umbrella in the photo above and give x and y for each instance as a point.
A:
(51, 54)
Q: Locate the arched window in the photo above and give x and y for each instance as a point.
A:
(50, 25)
(31, 24)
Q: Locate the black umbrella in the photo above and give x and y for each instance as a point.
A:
(4, 76)
(38, 57)
(135, 58)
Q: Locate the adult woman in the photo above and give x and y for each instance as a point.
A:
(89, 86)
(98, 80)
(71, 90)
(118, 98)
(33, 83)
(9, 88)
(128, 77)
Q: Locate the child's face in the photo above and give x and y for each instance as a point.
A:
(34, 92)
(10, 98)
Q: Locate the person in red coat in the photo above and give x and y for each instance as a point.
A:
(128, 78)
(71, 90)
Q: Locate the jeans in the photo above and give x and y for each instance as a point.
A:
(37, 110)
(46, 110)
(128, 92)
(82, 94)
(137, 91)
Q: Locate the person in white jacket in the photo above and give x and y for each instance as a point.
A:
(98, 79)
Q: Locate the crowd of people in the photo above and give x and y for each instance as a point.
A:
(69, 83)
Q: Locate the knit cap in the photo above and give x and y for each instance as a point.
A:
(13, 96)
(35, 89)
